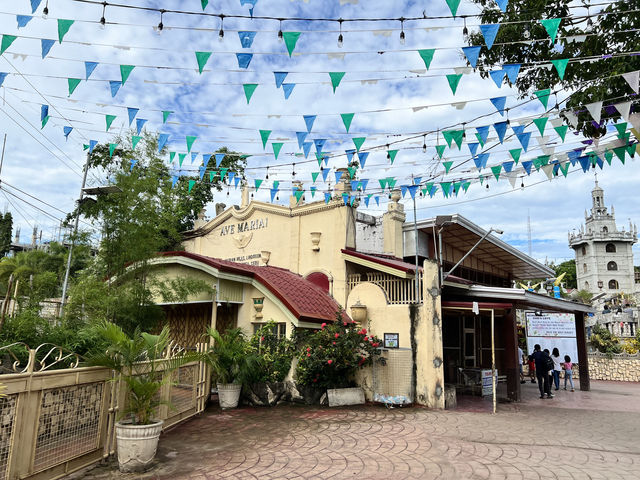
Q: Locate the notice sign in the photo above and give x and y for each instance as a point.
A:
(552, 330)
(551, 325)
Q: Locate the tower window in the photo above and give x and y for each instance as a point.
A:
(584, 250)
(613, 284)
(605, 230)
(586, 285)
(584, 268)
(612, 266)
(610, 248)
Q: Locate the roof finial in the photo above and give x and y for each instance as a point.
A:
(596, 177)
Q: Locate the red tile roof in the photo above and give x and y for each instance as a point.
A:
(306, 301)
(386, 260)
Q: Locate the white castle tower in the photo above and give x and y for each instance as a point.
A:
(604, 256)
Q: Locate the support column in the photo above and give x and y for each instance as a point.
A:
(510, 332)
(583, 361)
(428, 342)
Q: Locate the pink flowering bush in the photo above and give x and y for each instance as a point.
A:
(329, 357)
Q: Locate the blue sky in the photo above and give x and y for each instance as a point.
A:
(212, 106)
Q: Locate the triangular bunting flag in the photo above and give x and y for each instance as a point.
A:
(73, 84)
(633, 79)
(319, 144)
(314, 176)
(134, 141)
(244, 59)
(543, 96)
(391, 154)
(512, 70)
(89, 67)
(264, 136)
(165, 115)
(562, 131)
(561, 66)
(540, 123)
(112, 148)
(362, 158)
(358, 141)
(290, 40)
(489, 32)
(502, 4)
(346, 120)
(447, 166)
(181, 157)
(306, 148)
(109, 120)
(114, 85)
(139, 124)
(453, 6)
(34, 5)
(427, 56)
(497, 76)
(125, 71)
(515, 154)
(287, 88)
(440, 150)
(473, 148)
(132, 112)
(595, 109)
(507, 166)
(624, 108)
(202, 58)
(301, 138)
(484, 134)
(277, 146)
(524, 139)
(551, 26)
(246, 38)
(454, 80)
(472, 54)
(499, 103)
(219, 158)
(63, 28)
(190, 139)
(46, 46)
(191, 185)
(67, 131)
(526, 164)
(336, 78)
(249, 88)
(308, 120)
(280, 76)
(163, 138)
(501, 129)
(496, 171)
(7, 40)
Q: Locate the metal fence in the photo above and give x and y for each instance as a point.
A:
(399, 291)
(54, 422)
(393, 377)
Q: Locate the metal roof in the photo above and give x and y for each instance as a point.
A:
(462, 234)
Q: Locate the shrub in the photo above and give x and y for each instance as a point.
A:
(274, 354)
(604, 340)
(330, 356)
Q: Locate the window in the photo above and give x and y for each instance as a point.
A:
(586, 285)
(613, 284)
(584, 250)
(605, 230)
(612, 266)
(610, 248)
(584, 268)
(279, 329)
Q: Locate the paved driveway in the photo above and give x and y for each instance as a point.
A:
(581, 435)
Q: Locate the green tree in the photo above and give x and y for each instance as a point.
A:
(568, 267)
(6, 232)
(591, 81)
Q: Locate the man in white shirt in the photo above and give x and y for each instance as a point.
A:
(520, 358)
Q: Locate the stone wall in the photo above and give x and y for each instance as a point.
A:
(622, 367)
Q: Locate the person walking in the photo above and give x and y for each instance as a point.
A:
(542, 360)
(520, 361)
(557, 367)
(532, 368)
(568, 372)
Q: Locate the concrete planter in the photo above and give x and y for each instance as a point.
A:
(229, 395)
(137, 445)
(345, 396)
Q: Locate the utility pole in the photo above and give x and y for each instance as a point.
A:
(65, 284)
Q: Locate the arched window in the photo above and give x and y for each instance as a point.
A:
(586, 285)
(584, 250)
(584, 268)
(610, 248)
(605, 230)
(613, 284)
(612, 266)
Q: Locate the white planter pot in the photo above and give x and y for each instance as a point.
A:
(229, 395)
(345, 396)
(137, 445)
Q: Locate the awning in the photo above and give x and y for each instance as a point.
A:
(383, 263)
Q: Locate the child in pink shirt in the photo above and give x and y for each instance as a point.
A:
(568, 373)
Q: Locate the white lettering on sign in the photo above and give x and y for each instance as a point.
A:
(244, 227)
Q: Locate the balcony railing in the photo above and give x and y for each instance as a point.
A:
(399, 291)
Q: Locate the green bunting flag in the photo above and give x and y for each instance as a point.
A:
(455, 135)
(383, 183)
(480, 139)
(346, 119)
(204, 4)
(109, 120)
(543, 96)
(427, 55)
(358, 141)
(125, 71)
(298, 194)
(277, 146)
(561, 66)
(44, 121)
(181, 157)
(453, 6)
(7, 40)
(134, 141)
(619, 151)
(447, 166)
(249, 88)
(314, 176)
(496, 171)
(454, 80)
(562, 131)
(540, 123)
(112, 148)
(621, 128)
(257, 183)
(73, 84)
(172, 156)
(551, 26)
(336, 78)
(392, 155)
(223, 173)
(446, 187)
(202, 58)
(264, 135)
(564, 168)
(608, 155)
(165, 115)
(212, 175)
(290, 40)
(191, 185)
(440, 150)
(190, 140)
(515, 154)
(63, 28)
(352, 171)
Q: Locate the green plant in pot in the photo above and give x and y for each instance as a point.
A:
(142, 367)
(232, 364)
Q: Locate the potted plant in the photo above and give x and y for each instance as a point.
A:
(141, 365)
(330, 357)
(231, 364)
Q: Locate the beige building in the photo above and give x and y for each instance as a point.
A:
(298, 264)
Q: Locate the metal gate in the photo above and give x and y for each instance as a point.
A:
(393, 377)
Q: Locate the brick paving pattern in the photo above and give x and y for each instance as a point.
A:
(581, 435)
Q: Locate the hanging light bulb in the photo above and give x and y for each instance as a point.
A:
(424, 144)
(161, 25)
(340, 37)
(402, 38)
(293, 173)
(221, 32)
(522, 185)
(103, 20)
(267, 176)
(388, 154)
(487, 186)
(280, 36)
(465, 30)
(45, 11)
